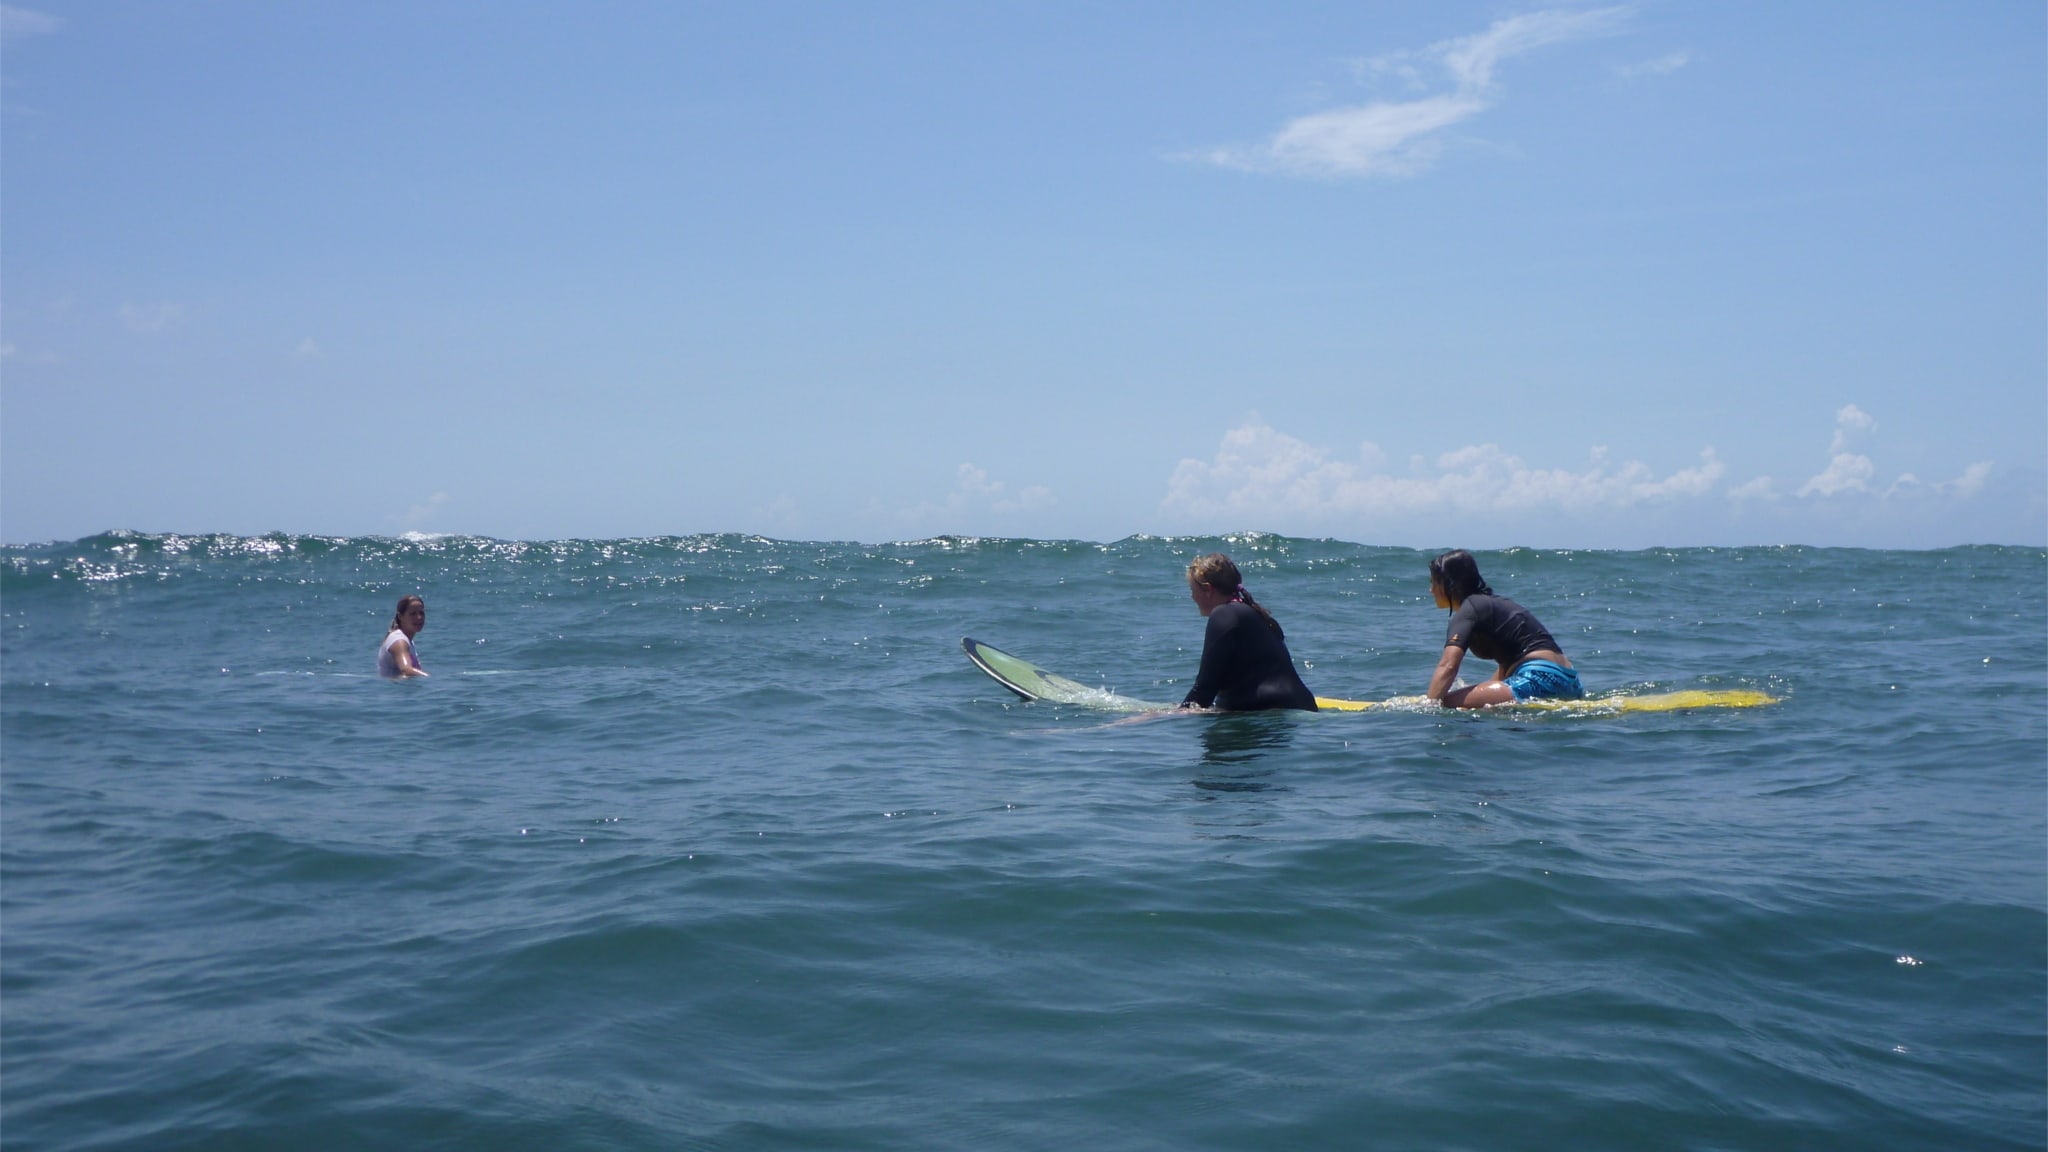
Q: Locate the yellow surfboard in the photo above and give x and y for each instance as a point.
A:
(1680, 701)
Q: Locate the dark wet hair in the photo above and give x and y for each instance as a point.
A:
(406, 604)
(1458, 574)
(1219, 573)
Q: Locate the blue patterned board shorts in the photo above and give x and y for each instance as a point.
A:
(1544, 679)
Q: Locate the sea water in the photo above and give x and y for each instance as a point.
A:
(720, 842)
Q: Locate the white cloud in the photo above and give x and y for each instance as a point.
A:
(1259, 472)
(1762, 488)
(1969, 483)
(975, 487)
(1849, 419)
(1401, 66)
(778, 515)
(1395, 138)
(1259, 475)
(1846, 472)
(18, 22)
(1661, 66)
(1472, 59)
(1853, 474)
(307, 349)
(11, 352)
(1375, 140)
(418, 514)
(974, 492)
(150, 318)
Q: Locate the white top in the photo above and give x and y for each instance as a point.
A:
(387, 656)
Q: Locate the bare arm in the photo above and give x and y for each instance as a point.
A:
(408, 664)
(1446, 673)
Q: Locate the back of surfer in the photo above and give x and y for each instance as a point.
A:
(396, 659)
(1530, 665)
(1245, 663)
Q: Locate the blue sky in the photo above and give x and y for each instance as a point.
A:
(1442, 273)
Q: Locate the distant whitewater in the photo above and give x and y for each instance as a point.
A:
(719, 841)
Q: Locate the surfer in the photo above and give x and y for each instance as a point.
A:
(396, 660)
(1245, 663)
(1498, 629)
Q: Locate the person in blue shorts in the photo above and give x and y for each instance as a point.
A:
(1531, 666)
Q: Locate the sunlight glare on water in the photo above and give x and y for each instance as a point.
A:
(721, 841)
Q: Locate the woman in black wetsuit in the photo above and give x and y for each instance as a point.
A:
(1531, 666)
(1245, 663)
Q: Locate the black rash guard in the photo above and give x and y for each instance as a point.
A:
(1498, 629)
(1246, 666)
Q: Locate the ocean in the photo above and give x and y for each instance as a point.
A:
(720, 842)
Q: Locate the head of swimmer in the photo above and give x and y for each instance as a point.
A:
(1213, 581)
(1454, 578)
(411, 616)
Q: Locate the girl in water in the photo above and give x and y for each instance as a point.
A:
(1495, 628)
(396, 660)
(1245, 663)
